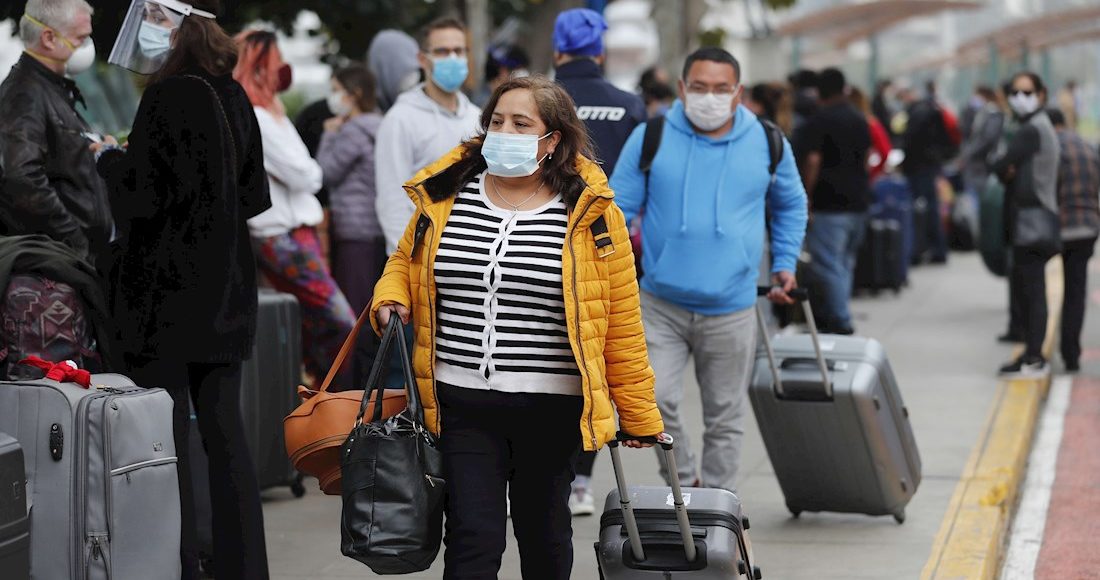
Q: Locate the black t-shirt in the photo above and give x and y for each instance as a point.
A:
(841, 135)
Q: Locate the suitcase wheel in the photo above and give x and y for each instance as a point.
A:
(794, 512)
(899, 517)
(298, 488)
(756, 573)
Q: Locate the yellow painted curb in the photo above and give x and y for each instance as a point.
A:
(971, 539)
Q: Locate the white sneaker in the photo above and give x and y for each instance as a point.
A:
(581, 503)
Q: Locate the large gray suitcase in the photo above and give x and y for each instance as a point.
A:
(101, 478)
(662, 532)
(15, 535)
(834, 424)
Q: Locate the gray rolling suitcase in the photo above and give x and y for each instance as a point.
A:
(101, 478)
(661, 532)
(15, 535)
(834, 424)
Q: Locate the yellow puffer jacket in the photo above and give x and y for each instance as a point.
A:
(601, 306)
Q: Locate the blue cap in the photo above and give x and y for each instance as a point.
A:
(579, 32)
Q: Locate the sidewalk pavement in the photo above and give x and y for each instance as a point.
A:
(939, 334)
(1054, 535)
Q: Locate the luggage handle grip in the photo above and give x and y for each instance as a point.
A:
(630, 523)
(662, 439)
(802, 296)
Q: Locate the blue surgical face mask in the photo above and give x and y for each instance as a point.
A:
(511, 154)
(154, 40)
(449, 72)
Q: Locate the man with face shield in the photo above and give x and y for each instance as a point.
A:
(184, 280)
(49, 180)
(425, 122)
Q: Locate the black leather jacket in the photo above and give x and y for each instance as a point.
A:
(49, 183)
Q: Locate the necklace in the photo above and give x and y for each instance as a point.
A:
(516, 206)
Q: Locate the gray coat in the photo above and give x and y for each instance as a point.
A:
(347, 158)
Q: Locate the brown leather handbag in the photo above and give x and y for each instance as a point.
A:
(315, 430)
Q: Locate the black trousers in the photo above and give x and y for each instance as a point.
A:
(586, 462)
(1075, 261)
(1029, 290)
(240, 550)
(525, 444)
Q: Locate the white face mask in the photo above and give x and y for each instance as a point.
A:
(1024, 105)
(511, 154)
(82, 59)
(338, 104)
(708, 111)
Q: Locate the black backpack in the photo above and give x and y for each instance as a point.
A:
(651, 142)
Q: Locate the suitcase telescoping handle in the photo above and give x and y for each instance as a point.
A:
(664, 440)
(801, 296)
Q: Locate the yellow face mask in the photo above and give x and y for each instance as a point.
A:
(68, 42)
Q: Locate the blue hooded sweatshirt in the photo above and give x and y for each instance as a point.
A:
(703, 219)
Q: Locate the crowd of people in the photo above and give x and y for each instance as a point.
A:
(488, 224)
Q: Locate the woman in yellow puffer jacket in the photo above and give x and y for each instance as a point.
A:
(518, 274)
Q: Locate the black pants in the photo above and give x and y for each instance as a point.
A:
(1075, 262)
(585, 463)
(525, 443)
(215, 390)
(1029, 289)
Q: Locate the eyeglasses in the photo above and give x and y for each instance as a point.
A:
(458, 52)
(720, 90)
(1020, 92)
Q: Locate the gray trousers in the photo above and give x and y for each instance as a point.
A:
(723, 348)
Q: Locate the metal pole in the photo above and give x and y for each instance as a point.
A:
(477, 19)
(872, 64)
(796, 53)
(994, 64)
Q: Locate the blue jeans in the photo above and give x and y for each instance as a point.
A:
(833, 241)
(923, 184)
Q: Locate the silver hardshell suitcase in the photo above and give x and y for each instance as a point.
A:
(662, 532)
(101, 478)
(833, 422)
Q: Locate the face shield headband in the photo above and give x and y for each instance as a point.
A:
(145, 38)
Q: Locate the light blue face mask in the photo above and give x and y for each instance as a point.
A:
(154, 40)
(449, 72)
(511, 154)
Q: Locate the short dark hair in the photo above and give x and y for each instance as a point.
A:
(359, 83)
(803, 79)
(443, 23)
(831, 83)
(1034, 78)
(712, 54)
(1057, 117)
(509, 57)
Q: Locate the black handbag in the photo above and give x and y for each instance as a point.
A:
(392, 517)
(1037, 228)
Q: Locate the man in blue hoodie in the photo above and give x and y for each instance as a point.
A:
(703, 231)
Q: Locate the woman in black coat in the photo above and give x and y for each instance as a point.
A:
(183, 285)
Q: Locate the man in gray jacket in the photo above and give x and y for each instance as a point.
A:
(425, 123)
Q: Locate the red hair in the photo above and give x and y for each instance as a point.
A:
(258, 64)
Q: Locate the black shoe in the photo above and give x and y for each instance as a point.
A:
(846, 331)
(1025, 368)
(1010, 337)
(1073, 366)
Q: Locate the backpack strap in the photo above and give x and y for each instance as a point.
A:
(604, 246)
(651, 142)
(422, 225)
(774, 136)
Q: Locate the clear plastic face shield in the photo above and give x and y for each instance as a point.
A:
(146, 36)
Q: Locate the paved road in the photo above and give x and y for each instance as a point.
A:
(940, 337)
